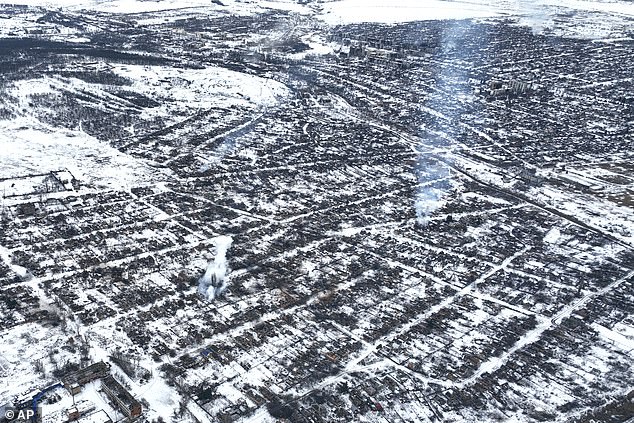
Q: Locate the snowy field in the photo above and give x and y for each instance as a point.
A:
(600, 19)
(354, 11)
(539, 14)
(593, 19)
(350, 11)
(31, 146)
(141, 6)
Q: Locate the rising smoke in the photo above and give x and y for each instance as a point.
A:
(433, 187)
(443, 126)
(536, 14)
(213, 283)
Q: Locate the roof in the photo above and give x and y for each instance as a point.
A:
(117, 389)
(98, 417)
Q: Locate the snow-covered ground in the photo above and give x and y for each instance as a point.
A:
(191, 89)
(603, 19)
(141, 6)
(590, 20)
(17, 355)
(29, 146)
(537, 13)
(353, 11)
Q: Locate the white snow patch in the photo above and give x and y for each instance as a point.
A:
(615, 338)
(30, 147)
(552, 236)
(392, 11)
(145, 6)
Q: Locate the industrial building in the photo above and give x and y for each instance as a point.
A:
(121, 398)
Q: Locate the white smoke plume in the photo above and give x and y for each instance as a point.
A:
(213, 283)
(449, 102)
(535, 14)
(432, 190)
